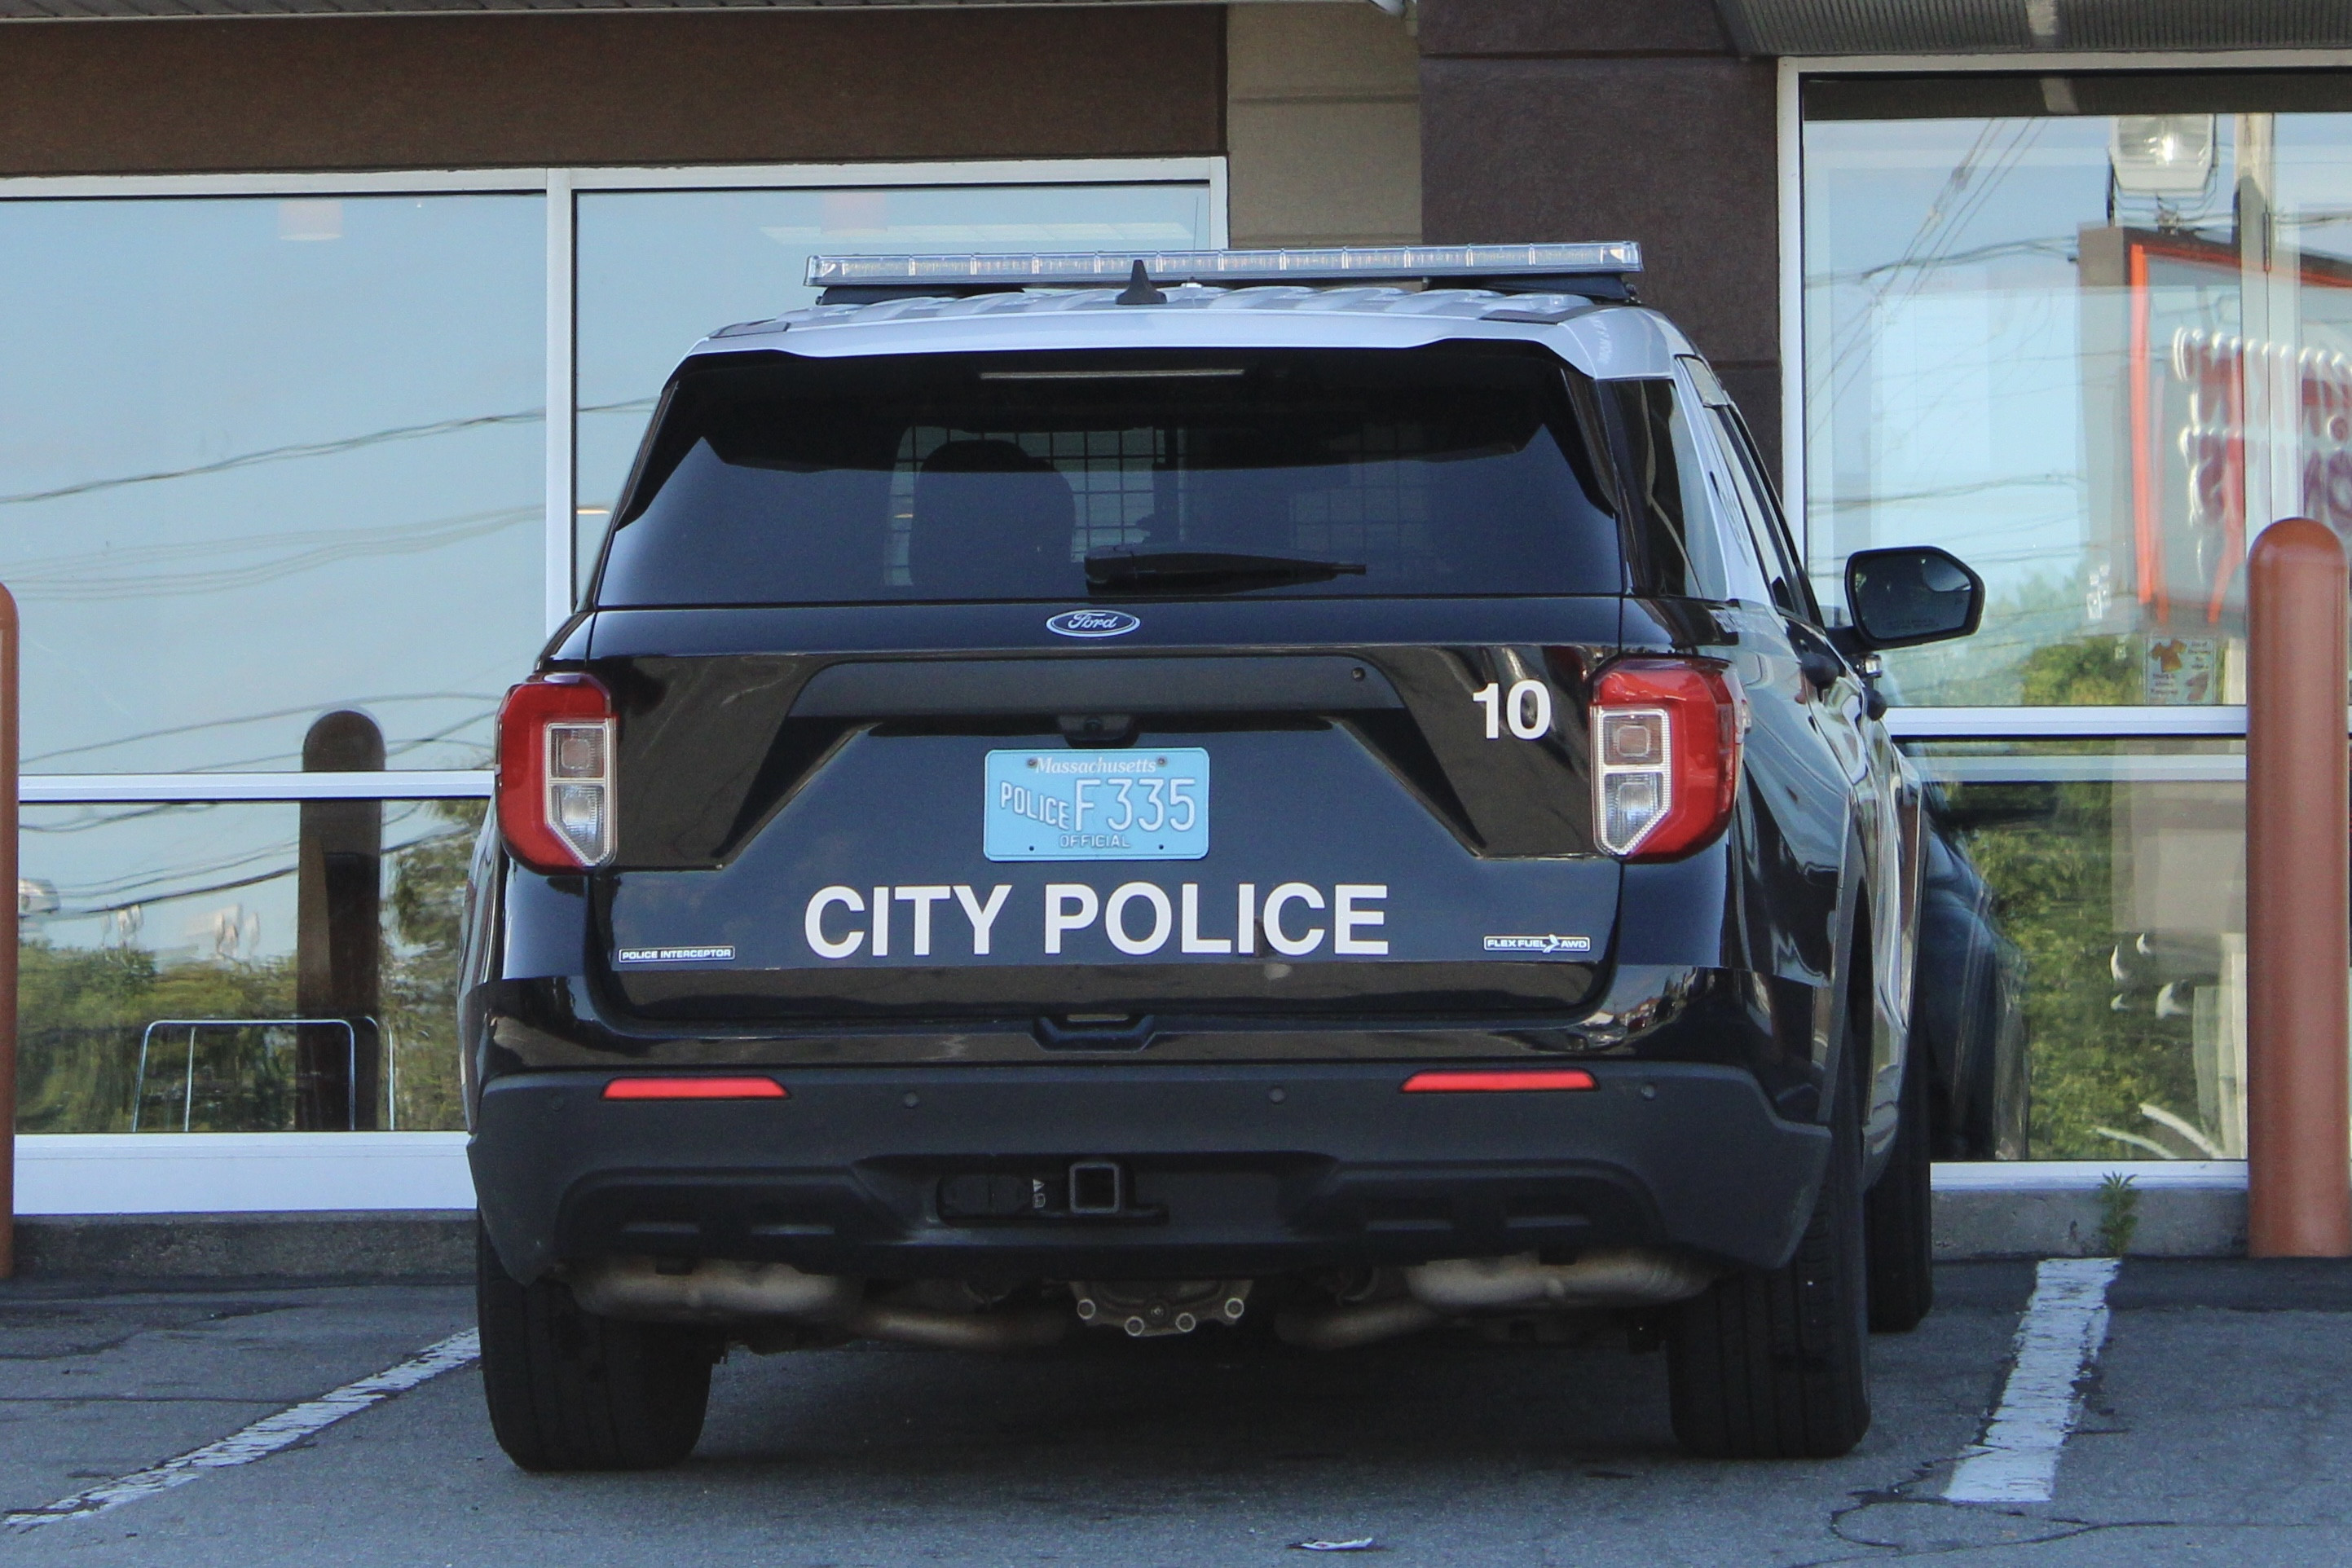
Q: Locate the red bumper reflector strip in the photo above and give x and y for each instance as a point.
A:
(1497, 1082)
(695, 1088)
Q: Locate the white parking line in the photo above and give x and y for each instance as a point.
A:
(258, 1441)
(2057, 1342)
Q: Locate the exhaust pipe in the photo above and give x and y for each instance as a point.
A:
(1028, 1328)
(1345, 1328)
(719, 1292)
(1461, 1287)
(1624, 1277)
(714, 1291)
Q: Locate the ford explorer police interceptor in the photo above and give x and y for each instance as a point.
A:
(1302, 793)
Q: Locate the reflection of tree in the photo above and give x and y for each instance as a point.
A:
(2047, 851)
(2086, 671)
(425, 910)
(82, 1009)
(2024, 628)
(2050, 866)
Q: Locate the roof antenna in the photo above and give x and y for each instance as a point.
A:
(1138, 290)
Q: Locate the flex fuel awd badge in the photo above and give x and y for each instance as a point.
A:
(1541, 946)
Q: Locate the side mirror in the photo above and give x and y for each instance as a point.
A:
(1911, 595)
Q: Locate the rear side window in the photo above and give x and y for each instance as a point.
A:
(1458, 469)
(1678, 529)
(1790, 593)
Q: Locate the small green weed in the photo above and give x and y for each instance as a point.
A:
(2118, 1213)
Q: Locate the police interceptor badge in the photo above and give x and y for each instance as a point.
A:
(1092, 624)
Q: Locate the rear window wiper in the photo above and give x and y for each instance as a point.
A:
(1205, 571)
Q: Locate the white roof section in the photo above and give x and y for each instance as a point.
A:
(1607, 342)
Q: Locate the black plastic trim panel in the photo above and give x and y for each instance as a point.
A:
(1236, 1170)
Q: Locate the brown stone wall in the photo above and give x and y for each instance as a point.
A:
(1616, 119)
(472, 92)
(1323, 125)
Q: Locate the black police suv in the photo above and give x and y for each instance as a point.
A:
(1305, 795)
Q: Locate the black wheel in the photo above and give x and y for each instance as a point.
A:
(1900, 1221)
(571, 1391)
(1775, 1364)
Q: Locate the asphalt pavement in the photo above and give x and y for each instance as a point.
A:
(2216, 1428)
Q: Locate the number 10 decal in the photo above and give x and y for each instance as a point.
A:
(1527, 708)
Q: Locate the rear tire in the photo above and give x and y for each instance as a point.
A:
(1775, 1364)
(1901, 1221)
(571, 1391)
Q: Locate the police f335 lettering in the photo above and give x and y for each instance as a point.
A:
(1235, 792)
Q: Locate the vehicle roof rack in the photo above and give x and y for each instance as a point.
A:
(1598, 270)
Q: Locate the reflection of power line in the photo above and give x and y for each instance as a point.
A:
(1946, 492)
(152, 885)
(235, 720)
(315, 449)
(418, 742)
(276, 762)
(2056, 249)
(147, 889)
(88, 817)
(1970, 185)
(282, 454)
(231, 886)
(69, 579)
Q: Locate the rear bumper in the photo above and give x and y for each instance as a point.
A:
(1228, 1170)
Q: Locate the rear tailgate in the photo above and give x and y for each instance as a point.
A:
(1206, 823)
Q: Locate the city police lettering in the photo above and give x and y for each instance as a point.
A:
(1137, 918)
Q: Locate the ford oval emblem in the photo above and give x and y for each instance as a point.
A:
(1093, 624)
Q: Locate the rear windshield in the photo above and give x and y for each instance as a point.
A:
(1459, 470)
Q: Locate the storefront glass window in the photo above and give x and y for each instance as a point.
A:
(265, 457)
(659, 269)
(178, 926)
(2113, 881)
(276, 500)
(2092, 334)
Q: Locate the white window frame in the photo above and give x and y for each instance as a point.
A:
(2218, 721)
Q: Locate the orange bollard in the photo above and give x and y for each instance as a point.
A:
(2298, 897)
(8, 675)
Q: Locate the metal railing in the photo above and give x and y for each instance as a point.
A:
(193, 1026)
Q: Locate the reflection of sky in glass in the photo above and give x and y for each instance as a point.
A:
(1963, 372)
(261, 458)
(1943, 372)
(659, 269)
(186, 882)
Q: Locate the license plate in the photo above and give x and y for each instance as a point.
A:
(1134, 805)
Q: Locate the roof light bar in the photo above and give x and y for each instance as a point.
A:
(1369, 264)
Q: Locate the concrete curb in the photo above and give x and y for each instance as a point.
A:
(416, 1244)
(2174, 1222)
(2055, 1208)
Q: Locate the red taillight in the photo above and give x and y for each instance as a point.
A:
(1665, 755)
(695, 1088)
(555, 773)
(1508, 1081)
